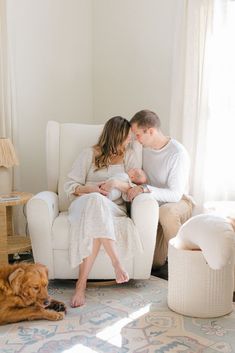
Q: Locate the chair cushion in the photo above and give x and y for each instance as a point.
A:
(60, 232)
(126, 246)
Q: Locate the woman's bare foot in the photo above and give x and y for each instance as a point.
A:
(78, 299)
(121, 275)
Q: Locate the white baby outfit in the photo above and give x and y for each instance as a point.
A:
(115, 194)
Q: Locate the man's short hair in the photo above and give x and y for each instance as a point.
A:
(146, 119)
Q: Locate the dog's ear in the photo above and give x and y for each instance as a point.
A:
(42, 268)
(3, 285)
(15, 279)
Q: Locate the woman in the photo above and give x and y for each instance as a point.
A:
(95, 219)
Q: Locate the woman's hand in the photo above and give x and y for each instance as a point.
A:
(107, 186)
(92, 188)
(87, 189)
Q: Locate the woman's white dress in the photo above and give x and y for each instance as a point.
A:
(96, 216)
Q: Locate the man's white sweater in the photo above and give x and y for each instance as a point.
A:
(167, 171)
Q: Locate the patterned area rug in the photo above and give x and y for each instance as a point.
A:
(121, 318)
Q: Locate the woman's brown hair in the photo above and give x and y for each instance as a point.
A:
(114, 133)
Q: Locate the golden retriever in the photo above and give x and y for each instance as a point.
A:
(24, 296)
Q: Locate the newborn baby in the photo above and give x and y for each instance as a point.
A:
(134, 175)
(213, 235)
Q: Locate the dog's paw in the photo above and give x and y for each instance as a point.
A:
(59, 316)
(56, 306)
(55, 316)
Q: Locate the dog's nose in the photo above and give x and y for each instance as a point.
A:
(46, 302)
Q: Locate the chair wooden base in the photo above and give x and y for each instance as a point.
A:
(101, 283)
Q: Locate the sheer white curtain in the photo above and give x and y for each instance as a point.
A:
(5, 87)
(8, 116)
(200, 102)
(220, 172)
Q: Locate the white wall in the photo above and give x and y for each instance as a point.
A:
(132, 57)
(51, 46)
(86, 60)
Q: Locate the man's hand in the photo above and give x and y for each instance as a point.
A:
(133, 192)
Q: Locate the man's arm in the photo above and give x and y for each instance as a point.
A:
(176, 182)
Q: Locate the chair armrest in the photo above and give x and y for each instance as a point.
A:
(145, 215)
(47, 199)
(42, 209)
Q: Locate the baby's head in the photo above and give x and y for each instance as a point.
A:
(137, 176)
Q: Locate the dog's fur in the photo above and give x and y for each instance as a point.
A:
(24, 296)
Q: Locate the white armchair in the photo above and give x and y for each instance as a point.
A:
(47, 211)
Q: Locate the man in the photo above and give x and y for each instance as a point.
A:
(166, 164)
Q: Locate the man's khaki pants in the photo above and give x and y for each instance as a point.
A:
(171, 216)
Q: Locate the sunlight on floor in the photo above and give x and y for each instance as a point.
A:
(79, 348)
(112, 334)
(116, 340)
(141, 312)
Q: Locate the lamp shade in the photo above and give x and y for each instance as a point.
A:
(8, 156)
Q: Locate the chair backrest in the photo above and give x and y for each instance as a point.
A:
(64, 142)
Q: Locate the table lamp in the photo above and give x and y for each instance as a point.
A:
(8, 159)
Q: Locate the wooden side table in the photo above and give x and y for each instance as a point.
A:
(11, 243)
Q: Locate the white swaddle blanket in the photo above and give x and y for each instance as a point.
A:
(115, 194)
(213, 235)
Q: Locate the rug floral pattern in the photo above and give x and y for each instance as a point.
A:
(117, 319)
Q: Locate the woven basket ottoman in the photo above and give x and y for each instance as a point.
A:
(194, 289)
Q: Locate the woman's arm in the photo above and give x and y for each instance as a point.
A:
(107, 186)
(77, 176)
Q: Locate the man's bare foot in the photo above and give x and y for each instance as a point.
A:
(121, 275)
(78, 299)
